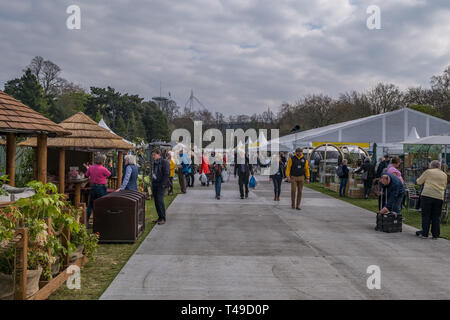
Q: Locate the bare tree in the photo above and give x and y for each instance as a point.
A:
(385, 97)
(47, 73)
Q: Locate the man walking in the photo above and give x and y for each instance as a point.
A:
(160, 181)
(296, 171)
(243, 171)
(435, 182)
(183, 170)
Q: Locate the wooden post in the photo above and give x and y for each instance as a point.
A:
(119, 169)
(11, 158)
(20, 270)
(42, 158)
(50, 232)
(91, 158)
(35, 157)
(62, 169)
(64, 241)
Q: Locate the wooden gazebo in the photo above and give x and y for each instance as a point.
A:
(17, 119)
(86, 136)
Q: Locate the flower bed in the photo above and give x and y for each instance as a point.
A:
(50, 232)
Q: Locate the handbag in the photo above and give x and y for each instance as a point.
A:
(225, 176)
(365, 175)
(252, 182)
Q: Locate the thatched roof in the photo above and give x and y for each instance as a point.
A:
(18, 118)
(86, 134)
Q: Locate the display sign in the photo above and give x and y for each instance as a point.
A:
(420, 148)
(364, 145)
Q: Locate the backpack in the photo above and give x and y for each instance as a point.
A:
(340, 171)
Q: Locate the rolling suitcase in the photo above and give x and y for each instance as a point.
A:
(391, 222)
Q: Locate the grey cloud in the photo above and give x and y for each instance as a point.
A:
(238, 56)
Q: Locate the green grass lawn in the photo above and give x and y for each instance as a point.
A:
(109, 259)
(412, 218)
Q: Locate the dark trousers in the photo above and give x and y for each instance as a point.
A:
(170, 186)
(277, 179)
(243, 183)
(190, 179)
(367, 187)
(218, 185)
(158, 196)
(182, 179)
(343, 186)
(431, 214)
(95, 193)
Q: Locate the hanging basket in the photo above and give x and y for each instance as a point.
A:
(33, 277)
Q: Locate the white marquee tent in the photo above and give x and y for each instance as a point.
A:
(387, 130)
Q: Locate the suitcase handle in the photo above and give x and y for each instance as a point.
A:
(114, 211)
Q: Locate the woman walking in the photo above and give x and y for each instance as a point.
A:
(277, 178)
(204, 168)
(173, 166)
(218, 167)
(343, 179)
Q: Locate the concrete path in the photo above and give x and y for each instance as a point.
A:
(260, 249)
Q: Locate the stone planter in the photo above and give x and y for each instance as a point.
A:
(6, 286)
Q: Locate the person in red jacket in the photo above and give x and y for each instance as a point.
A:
(204, 168)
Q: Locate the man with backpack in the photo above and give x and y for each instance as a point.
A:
(296, 171)
(342, 173)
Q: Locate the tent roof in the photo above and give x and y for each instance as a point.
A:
(445, 140)
(310, 135)
(19, 118)
(86, 134)
(103, 124)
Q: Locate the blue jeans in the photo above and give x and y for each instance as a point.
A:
(158, 192)
(343, 186)
(95, 193)
(397, 207)
(218, 185)
(277, 179)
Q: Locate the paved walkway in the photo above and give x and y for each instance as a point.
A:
(259, 249)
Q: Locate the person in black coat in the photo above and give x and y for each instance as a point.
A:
(243, 171)
(160, 181)
(368, 171)
(343, 179)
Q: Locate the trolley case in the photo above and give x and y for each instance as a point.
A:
(390, 222)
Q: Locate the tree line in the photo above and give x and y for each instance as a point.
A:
(41, 88)
(135, 119)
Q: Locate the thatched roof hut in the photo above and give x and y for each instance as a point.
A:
(15, 117)
(86, 135)
(19, 119)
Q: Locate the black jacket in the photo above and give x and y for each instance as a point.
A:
(243, 169)
(161, 173)
(383, 165)
(369, 168)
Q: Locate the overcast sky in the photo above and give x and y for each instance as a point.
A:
(239, 56)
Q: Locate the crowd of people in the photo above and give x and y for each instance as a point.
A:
(383, 179)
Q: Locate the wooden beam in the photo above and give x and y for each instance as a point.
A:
(58, 281)
(119, 169)
(11, 158)
(42, 158)
(20, 270)
(62, 169)
(91, 158)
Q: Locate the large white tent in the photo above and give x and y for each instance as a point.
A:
(388, 130)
